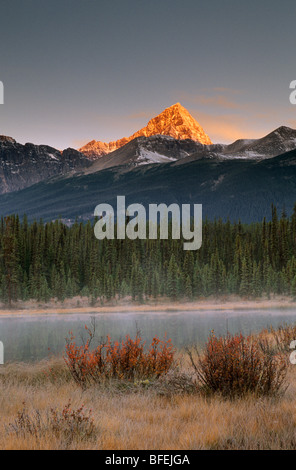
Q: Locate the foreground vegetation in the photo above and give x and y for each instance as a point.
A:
(213, 405)
(44, 261)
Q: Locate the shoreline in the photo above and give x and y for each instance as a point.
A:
(160, 307)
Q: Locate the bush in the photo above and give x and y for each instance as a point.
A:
(236, 365)
(125, 360)
(69, 424)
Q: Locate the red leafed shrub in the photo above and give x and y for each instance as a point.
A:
(236, 365)
(120, 360)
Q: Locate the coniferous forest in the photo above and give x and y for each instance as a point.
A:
(51, 260)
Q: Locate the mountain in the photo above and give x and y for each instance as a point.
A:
(24, 165)
(174, 121)
(162, 149)
(230, 188)
(282, 139)
(147, 150)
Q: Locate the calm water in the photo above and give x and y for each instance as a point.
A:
(28, 338)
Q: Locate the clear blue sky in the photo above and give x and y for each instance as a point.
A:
(76, 70)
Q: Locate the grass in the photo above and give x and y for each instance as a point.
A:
(43, 408)
(143, 419)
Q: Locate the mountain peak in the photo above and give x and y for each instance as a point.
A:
(284, 131)
(176, 105)
(5, 138)
(174, 121)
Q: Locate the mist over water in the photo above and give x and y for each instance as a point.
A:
(32, 338)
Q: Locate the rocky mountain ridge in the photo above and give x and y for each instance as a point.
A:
(164, 149)
(174, 121)
(24, 165)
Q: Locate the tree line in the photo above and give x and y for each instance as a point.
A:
(52, 260)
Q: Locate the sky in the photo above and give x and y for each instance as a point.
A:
(77, 70)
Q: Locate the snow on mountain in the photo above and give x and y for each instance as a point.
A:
(146, 157)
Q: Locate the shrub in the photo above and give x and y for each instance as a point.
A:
(119, 360)
(69, 424)
(235, 365)
(26, 423)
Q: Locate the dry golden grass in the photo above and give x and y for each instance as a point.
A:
(140, 418)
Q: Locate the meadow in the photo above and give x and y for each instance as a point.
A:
(43, 407)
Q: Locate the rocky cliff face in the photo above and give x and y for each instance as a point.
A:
(174, 121)
(24, 165)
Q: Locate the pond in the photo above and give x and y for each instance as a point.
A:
(31, 338)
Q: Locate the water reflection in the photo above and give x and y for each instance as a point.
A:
(33, 338)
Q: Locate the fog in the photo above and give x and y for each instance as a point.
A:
(31, 338)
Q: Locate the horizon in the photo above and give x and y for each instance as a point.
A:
(80, 71)
(82, 144)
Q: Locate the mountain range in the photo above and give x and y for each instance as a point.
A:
(170, 160)
(24, 165)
